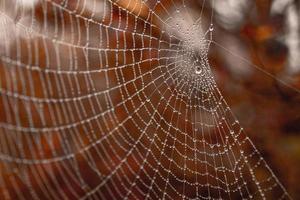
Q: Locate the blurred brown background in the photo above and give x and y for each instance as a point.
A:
(266, 33)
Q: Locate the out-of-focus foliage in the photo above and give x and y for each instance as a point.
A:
(267, 34)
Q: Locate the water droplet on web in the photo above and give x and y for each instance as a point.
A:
(198, 70)
(211, 28)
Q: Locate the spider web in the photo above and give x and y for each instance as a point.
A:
(117, 100)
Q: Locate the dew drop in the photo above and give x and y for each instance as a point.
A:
(211, 28)
(198, 70)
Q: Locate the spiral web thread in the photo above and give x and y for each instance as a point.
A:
(116, 100)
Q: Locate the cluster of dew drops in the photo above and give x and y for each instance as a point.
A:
(198, 69)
